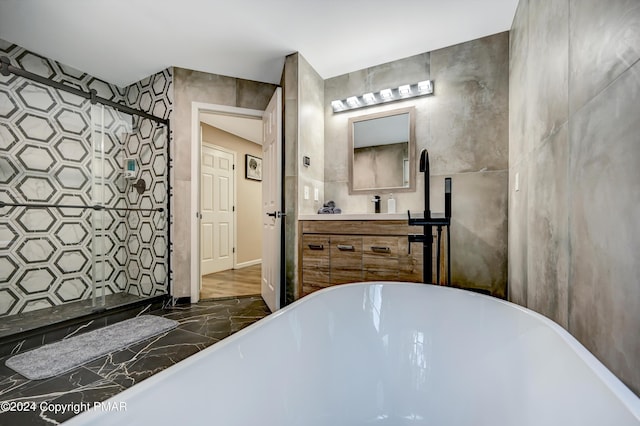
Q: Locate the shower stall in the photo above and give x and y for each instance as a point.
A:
(84, 199)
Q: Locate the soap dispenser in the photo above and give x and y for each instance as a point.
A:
(391, 204)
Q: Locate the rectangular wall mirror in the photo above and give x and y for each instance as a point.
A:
(382, 152)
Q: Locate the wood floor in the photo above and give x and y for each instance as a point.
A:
(234, 282)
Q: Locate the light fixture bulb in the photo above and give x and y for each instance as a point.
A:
(425, 86)
(337, 105)
(353, 101)
(386, 94)
(369, 98)
(404, 90)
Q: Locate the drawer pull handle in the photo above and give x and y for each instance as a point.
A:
(316, 246)
(344, 247)
(380, 249)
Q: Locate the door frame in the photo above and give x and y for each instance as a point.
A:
(196, 142)
(235, 197)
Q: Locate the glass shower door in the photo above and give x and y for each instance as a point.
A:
(129, 192)
(110, 129)
(76, 235)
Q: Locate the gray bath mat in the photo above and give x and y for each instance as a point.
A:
(59, 357)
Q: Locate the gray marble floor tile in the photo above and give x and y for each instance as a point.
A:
(201, 326)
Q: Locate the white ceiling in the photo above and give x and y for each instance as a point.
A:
(123, 41)
(246, 128)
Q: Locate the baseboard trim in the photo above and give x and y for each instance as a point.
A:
(247, 264)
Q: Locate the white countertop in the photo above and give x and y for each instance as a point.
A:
(354, 216)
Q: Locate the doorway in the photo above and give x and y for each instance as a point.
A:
(224, 198)
(230, 222)
(233, 112)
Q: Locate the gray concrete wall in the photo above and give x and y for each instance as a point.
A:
(194, 86)
(465, 128)
(311, 141)
(290, 95)
(574, 143)
(303, 136)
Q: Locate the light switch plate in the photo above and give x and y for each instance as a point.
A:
(306, 192)
(316, 194)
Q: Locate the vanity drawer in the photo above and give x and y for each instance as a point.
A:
(315, 251)
(346, 253)
(346, 259)
(381, 247)
(373, 263)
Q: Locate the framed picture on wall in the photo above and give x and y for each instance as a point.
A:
(252, 167)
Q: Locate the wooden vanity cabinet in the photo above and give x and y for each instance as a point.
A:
(337, 252)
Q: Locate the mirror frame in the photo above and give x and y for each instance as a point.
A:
(412, 151)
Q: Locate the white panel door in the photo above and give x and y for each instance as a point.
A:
(272, 201)
(216, 206)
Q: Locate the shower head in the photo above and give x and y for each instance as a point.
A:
(424, 160)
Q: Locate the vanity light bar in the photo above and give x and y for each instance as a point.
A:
(405, 91)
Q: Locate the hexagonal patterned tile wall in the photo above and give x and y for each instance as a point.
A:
(36, 96)
(51, 152)
(155, 96)
(69, 234)
(8, 300)
(36, 250)
(7, 236)
(72, 289)
(36, 158)
(71, 149)
(36, 127)
(8, 137)
(8, 106)
(34, 281)
(7, 171)
(8, 269)
(35, 188)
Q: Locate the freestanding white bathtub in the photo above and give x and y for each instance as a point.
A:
(385, 354)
